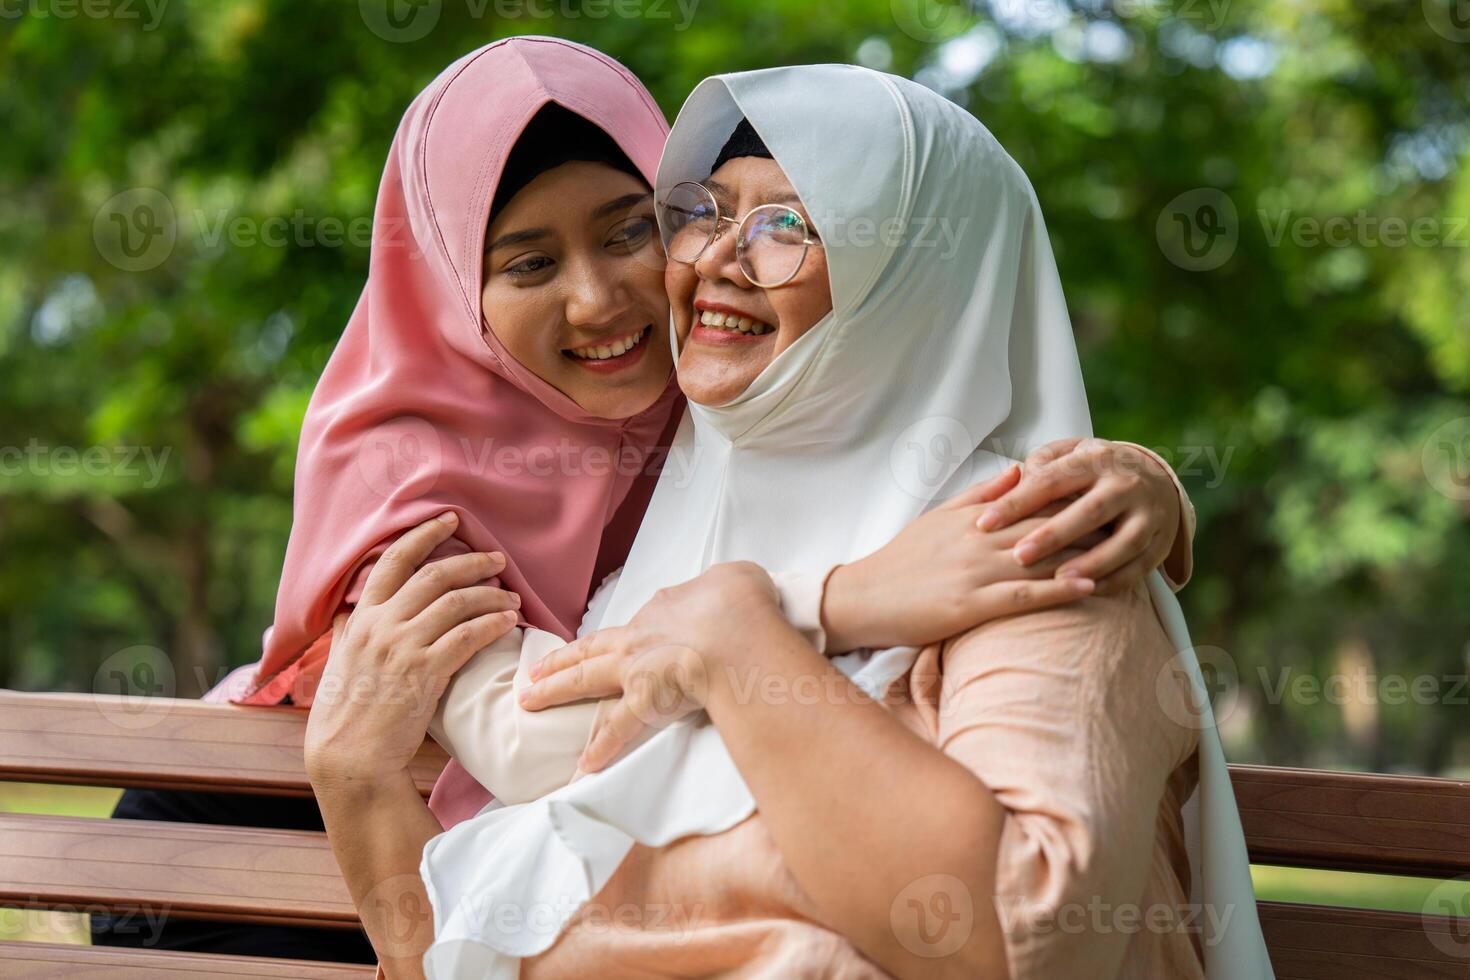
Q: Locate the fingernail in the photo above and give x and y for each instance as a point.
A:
(535, 670)
(449, 517)
(496, 558)
(989, 520)
(1025, 552)
(525, 694)
(1069, 573)
(1083, 585)
(515, 601)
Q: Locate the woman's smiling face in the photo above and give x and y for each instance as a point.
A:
(574, 287)
(709, 297)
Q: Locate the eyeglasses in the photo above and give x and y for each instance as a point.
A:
(770, 241)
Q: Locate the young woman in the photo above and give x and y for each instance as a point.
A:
(507, 363)
(359, 759)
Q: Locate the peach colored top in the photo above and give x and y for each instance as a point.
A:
(1066, 716)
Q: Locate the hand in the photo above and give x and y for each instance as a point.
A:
(659, 666)
(942, 575)
(392, 658)
(1108, 483)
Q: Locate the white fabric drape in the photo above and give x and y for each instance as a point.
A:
(948, 353)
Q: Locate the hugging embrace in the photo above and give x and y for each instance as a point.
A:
(669, 479)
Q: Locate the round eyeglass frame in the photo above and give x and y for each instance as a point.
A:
(740, 236)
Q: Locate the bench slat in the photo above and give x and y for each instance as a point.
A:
(1315, 942)
(281, 877)
(47, 960)
(163, 743)
(1342, 821)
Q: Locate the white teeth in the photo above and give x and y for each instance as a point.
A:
(616, 349)
(738, 324)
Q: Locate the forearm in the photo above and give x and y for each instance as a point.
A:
(920, 814)
(378, 833)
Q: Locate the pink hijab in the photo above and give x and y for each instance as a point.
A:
(420, 408)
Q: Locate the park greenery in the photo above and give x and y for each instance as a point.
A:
(1259, 209)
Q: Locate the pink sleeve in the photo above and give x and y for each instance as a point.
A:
(1065, 715)
(1179, 565)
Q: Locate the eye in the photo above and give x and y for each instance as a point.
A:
(631, 234)
(528, 267)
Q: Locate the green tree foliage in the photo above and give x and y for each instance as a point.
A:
(1260, 210)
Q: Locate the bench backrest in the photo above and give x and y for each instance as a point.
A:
(1293, 817)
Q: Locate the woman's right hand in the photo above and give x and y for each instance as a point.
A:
(392, 658)
(942, 575)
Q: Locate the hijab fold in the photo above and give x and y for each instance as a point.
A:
(948, 354)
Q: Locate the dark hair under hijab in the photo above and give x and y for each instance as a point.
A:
(554, 136)
(743, 142)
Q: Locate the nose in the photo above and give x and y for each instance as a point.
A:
(598, 295)
(720, 260)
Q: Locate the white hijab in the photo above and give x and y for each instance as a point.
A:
(947, 354)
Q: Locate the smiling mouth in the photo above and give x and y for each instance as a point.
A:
(731, 322)
(607, 352)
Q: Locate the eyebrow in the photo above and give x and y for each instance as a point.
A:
(720, 190)
(601, 211)
(620, 204)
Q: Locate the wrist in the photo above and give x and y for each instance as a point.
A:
(846, 609)
(342, 783)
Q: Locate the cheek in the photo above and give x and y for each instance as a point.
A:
(801, 303)
(508, 312)
(679, 283)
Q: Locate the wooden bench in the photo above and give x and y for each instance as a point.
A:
(1292, 817)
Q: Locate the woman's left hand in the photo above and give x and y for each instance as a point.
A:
(1108, 483)
(660, 666)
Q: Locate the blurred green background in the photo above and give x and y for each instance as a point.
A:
(1259, 208)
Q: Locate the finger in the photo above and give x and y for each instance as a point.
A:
(594, 644)
(622, 727)
(1037, 488)
(1126, 577)
(1131, 539)
(1013, 598)
(1055, 449)
(395, 565)
(453, 608)
(598, 677)
(1095, 509)
(984, 491)
(438, 578)
(452, 650)
(339, 624)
